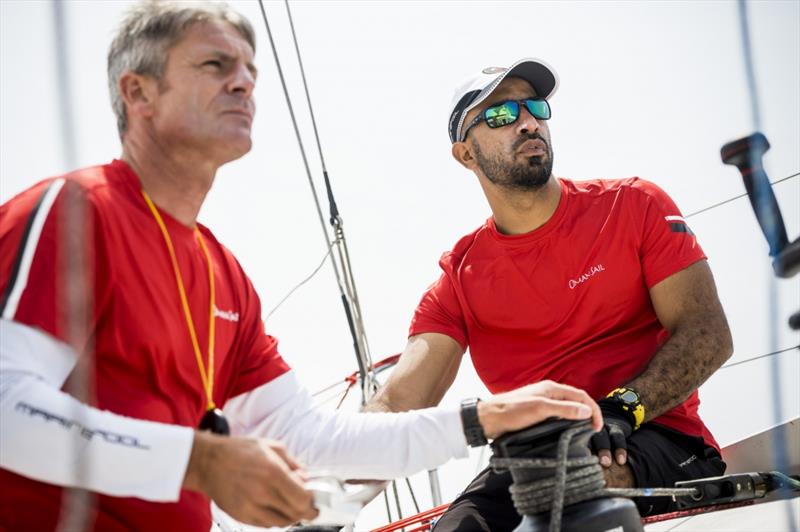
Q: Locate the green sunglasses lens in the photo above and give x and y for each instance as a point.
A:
(538, 108)
(502, 115)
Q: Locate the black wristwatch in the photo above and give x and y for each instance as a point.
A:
(472, 426)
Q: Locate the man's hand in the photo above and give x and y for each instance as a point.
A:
(254, 481)
(531, 404)
(614, 436)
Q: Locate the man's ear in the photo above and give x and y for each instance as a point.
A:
(139, 93)
(462, 152)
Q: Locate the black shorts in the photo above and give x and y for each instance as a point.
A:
(658, 456)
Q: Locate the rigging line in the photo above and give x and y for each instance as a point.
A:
(760, 356)
(351, 302)
(305, 85)
(329, 387)
(414, 499)
(750, 74)
(344, 280)
(78, 504)
(335, 397)
(344, 396)
(330, 248)
(369, 386)
(739, 196)
(304, 281)
(335, 219)
(679, 523)
(299, 141)
(779, 448)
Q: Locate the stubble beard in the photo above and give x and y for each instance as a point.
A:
(530, 175)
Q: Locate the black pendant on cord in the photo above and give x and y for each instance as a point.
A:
(214, 421)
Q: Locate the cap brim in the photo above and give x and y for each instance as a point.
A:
(538, 73)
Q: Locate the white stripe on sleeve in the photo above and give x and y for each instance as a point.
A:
(31, 242)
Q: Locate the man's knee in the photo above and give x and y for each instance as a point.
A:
(485, 505)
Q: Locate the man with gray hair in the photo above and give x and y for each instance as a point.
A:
(169, 327)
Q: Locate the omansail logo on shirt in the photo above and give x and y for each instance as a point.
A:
(228, 315)
(591, 272)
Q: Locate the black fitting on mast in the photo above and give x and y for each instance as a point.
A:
(336, 220)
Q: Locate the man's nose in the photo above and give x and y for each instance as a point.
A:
(242, 80)
(526, 123)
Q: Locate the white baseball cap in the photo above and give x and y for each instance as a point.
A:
(473, 91)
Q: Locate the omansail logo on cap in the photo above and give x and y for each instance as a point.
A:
(494, 70)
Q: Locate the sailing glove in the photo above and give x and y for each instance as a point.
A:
(618, 426)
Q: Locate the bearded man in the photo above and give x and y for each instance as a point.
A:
(598, 284)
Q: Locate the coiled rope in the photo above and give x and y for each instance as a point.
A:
(565, 481)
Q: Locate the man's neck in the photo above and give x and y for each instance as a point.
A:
(518, 212)
(176, 182)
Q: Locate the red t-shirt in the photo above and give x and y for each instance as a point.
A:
(144, 365)
(569, 301)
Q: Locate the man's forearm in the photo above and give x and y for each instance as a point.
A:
(682, 364)
(424, 373)
(379, 402)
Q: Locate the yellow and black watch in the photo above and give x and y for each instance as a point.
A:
(631, 402)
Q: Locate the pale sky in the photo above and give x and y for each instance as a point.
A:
(647, 88)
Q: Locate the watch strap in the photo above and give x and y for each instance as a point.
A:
(472, 425)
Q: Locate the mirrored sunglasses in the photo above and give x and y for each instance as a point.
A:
(506, 113)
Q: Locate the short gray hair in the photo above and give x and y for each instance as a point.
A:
(147, 33)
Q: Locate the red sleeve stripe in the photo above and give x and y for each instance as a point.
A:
(30, 240)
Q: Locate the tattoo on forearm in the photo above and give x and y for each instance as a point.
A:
(684, 362)
(677, 369)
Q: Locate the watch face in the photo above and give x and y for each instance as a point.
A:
(629, 396)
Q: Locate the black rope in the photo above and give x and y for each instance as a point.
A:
(575, 480)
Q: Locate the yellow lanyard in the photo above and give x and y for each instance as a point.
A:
(207, 378)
